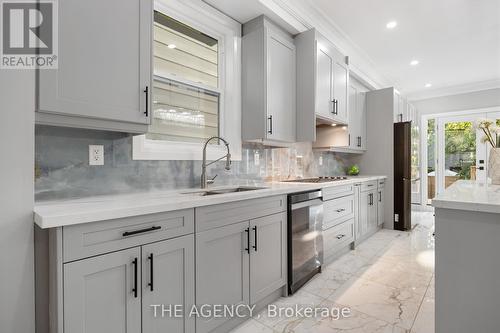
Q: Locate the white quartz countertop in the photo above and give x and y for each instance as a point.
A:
(50, 214)
(470, 195)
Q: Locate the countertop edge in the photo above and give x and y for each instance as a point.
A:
(46, 220)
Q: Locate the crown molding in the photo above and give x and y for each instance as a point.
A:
(454, 90)
(306, 15)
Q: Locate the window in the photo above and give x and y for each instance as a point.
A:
(183, 112)
(195, 80)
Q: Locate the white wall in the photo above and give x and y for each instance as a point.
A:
(459, 102)
(17, 105)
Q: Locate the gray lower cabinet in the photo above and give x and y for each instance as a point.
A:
(115, 292)
(168, 278)
(103, 79)
(99, 293)
(222, 270)
(380, 206)
(240, 263)
(268, 256)
(367, 211)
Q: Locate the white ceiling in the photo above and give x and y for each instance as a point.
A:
(456, 41)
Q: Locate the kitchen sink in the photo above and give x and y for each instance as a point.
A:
(226, 190)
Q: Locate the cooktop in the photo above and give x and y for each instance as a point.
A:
(324, 179)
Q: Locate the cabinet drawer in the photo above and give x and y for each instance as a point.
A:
(214, 216)
(89, 239)
(368, 186)
(337, 237)
(334, 192)
(381, 183)
(337, 211)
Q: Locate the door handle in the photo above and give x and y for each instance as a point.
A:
(150, 284)
(134, 290)
(340, 236)
(247, 230)
(270, 118)
(146, 91)
(336, 105)
(380, 196)
(255, 235)
(340, 210)
(359, 141)
(135, 232)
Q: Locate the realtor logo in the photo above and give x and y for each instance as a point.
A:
(28, 37)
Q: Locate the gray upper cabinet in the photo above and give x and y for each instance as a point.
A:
(168, 278)
(102, 294)
(268, 83)
(324, 80)
(357, 116)
(322, 84)
(268, 259)
(222, 270)
(104, 75)
(341, 90)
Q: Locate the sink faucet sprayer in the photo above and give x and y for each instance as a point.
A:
(204, 165)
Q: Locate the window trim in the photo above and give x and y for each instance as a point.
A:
(227, 32)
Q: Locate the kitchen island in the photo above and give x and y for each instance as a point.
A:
(468, 258)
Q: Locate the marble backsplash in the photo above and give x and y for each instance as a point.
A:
(62, 170)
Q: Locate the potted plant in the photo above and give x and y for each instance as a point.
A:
(492, 137)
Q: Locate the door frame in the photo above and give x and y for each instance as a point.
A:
(424, 118)
(441, 154)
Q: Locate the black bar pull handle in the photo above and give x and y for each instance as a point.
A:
(270, 118)
(247, 230)
(135, 232)
(379, 196)
(146, 91)
(150, 284)
(255, 235)
(134, 290)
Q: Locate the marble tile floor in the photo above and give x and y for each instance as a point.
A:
(387, 282)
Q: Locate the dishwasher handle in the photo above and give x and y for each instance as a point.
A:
(309, 203)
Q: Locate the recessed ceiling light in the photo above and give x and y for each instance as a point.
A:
(391, 24)
(428, 85)
(414, 62)
(172, 46)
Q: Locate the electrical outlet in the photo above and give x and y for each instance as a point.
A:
(96, 155)
(396, 217)
(256, 158)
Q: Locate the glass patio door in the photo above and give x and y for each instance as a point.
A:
(461, 155)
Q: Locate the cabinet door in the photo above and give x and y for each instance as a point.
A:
(280, 88)
(354, 119)
(364, 212)
(168, 278)
(341, 91)
(99, 293)
(372, 210)
(268, 256)
(324, 84)
(222, 270)
(380, 206)
(361, 107)
(104, 61)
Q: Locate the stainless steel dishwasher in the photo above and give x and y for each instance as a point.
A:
(305, 239)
